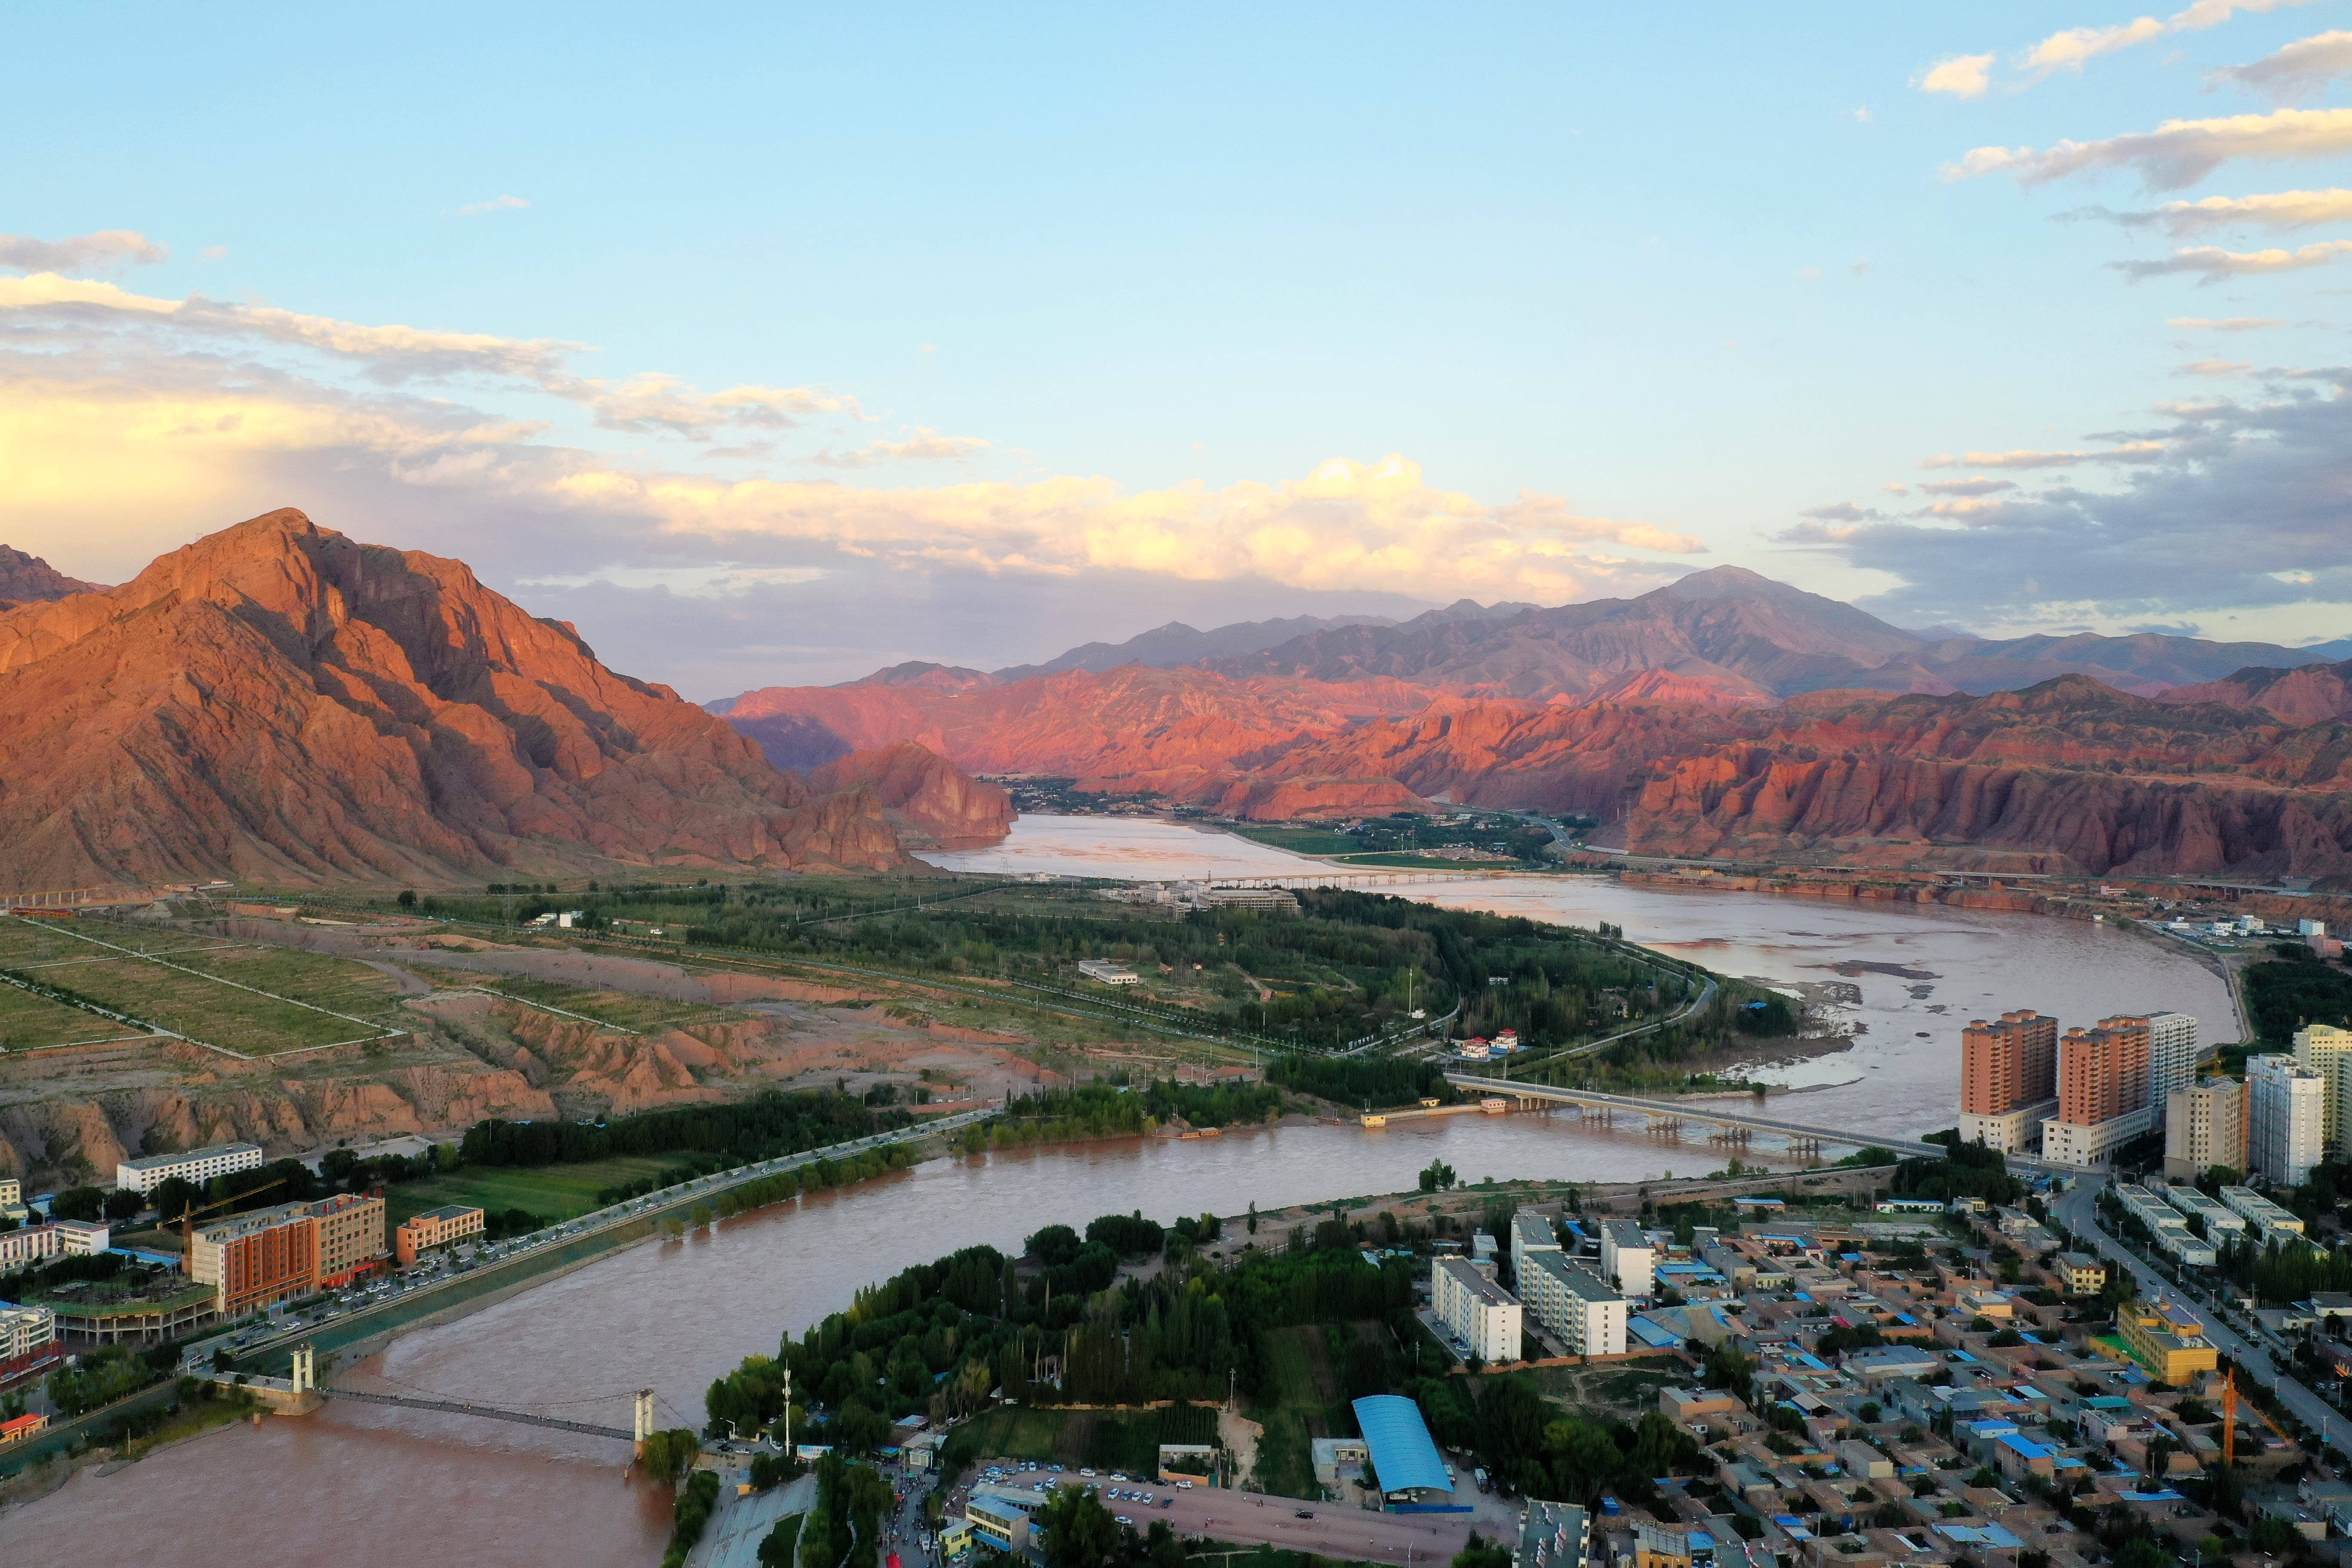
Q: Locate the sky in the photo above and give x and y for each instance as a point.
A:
(770, 345)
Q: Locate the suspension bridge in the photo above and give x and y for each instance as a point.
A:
(1667, 1119)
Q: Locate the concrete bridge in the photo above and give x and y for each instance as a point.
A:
(1734, 1128)
(1382, 879)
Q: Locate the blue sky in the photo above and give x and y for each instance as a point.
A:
(931, 333)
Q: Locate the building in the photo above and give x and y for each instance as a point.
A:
(253, 1261)
(1104, 971)
(435, 1228)
(22, 1429)
(25, 1329)
(2008, 1065)
(12, 1200)
(1626, 1256)
(2219, 1219)
(2327, 1051)
(2084, 1274)
(1482, 1314)
(955, 1538)
(197, 1166)
(1586, 1313)
(1000, 1520)
(2172, 1056)
(1403, 1457)
(2102, 1093)
(1659, 1545)
(23, 1247)
(2205, 1126)
(2166, 1338)
(350, 1237)
(2018, 1131)
(2263, 1217)
(1553, 1535)
(1531, 1233)
(2286, 1117)
(1876, 1363)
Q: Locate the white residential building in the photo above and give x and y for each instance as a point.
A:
(1626, 1256)
(197, 1166)
(2205, 1126)
(2219, 1219)
(1531, 1233)
(23, 1330)
(1574, 1303)
(58, 1239)
(2017, 1132)
(2327, 1051)
(2263, 1217)
(1104, 971)
(1482, 1314)
(2171, 1058)
(2286, 1118)
(2091, 1144)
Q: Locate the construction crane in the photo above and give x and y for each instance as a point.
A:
(186, 1222)
(2230, 1418)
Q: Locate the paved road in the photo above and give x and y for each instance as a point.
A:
(1249, 1519)
(2078, 1212)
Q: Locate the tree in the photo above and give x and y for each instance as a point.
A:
(1080, 1531)
(407, 899)
(1480, 1552)
(78, 1202)
(122, 1202)
(667, 1454)
(1437, 1177)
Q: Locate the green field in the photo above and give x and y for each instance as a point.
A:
(551, 1191)
(340, 985)
(1297, 840)
(1299, 1401)
(25, 941)
(27, 1021)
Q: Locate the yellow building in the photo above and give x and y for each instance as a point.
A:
(2166, 1338)
(2084, 1274)
(2327, 1051)
(351, 1237)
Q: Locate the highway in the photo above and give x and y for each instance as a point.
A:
(2078, 1212)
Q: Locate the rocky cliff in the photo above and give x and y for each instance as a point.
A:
(277, 702)
(27, 579)
(2310, 694)
(929, 800)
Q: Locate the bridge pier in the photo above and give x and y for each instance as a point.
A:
(641, 1419)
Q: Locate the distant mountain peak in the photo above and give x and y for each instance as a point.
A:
(924, 672)
(27, 579)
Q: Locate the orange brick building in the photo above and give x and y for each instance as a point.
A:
(255, 1260)
(2103, 1071)
(2008, 1065)
(350, 1237)
(436, 1228)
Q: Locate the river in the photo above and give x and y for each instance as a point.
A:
(365, 1486)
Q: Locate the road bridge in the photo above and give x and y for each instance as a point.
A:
(1384, 879)
(489, 1412)
(1738, 1128)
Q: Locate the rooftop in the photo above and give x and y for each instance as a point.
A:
(157, 1161)
(1402, 1454)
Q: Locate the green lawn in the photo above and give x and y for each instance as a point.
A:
(26, 1020)
(1299, 1402)
(1297, 840)
(551, 1191)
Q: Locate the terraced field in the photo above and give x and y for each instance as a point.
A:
(621, 1009)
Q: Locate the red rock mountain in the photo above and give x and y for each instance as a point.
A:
(279, 703)
(27, 579)
(927, 800)
(2310, 694)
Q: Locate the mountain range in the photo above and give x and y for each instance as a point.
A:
(277, 704)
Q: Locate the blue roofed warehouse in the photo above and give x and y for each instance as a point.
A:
(1412, 1477)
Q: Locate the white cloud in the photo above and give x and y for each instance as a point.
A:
(922, 445)
(2214, 367)
(2225, 325)
(1862, 116)
(721, 580)
(1980, 486)
(109, 247)
(1961, 76)
(495, 205)
(2070, 49)
(2130, 452)
(2210, 264)
(2177, 153)
(2302, 69)
(2275, 210)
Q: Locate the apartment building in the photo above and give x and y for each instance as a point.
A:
(28, 1245)
(2102, 1088)
(2327, 1051)
(2264, 1218)
(1531, 1233)
(2286, 1117)
(2008, 1078)
(2171, 1056)
(2205, 1126)
(25, 1331)
(1587, 1315)
(350, 1237)
(1482, 1314)
(1627, 1258)
(257, 1259)
(197, 1166)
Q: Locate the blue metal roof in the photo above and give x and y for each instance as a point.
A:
(1402, 1454)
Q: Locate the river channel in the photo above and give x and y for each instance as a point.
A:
(366, 1486)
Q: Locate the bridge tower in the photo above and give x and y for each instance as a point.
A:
(641, 1419)
(305, 1376)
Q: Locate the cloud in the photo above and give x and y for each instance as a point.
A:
(2176, 153)
(2301, 70)
(2278, 209)
(1895, 487)
(923, 446)
(2226, 324)
(2213, 264)
(1840, 511)
(2214, 367)
(1980, 486)
(719, 580)
(2070, 49)
(2241, 511)
(495, 205)
(1961, 76)
(2131, 452)
(1862, 116)
(99, 252)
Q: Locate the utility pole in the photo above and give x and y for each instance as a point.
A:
(788, 1412)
